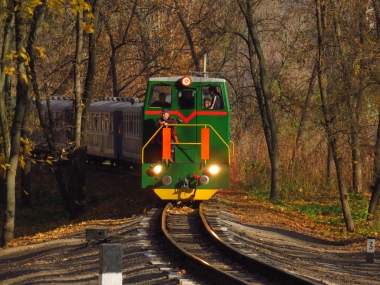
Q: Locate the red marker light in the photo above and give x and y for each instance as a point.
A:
(186, 81)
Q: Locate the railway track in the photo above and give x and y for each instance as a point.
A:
(202, 243)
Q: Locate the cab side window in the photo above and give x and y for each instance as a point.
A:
(212, 97)
(161, 96)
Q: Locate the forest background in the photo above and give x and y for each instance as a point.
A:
(303, 84)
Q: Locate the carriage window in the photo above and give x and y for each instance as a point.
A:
(92, 121)
(161, 96)
(136, 124)
(212, 97)
(57, 120)
(120, 124)
(89, 122)
(125, 125)
(130, 123)
(101, 122)
(106, 122)
(97, 122)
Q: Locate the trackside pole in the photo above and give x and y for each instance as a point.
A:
(370, 255)
(111, 264)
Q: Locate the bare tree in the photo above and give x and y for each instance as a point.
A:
(375, 187)
(334, 138)
(263, 95)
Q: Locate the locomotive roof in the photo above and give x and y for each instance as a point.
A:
(194, 79)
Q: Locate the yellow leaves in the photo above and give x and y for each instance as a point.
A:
(78, 6)
(28, 7)
(25, 77)
(27, 144)
(35, 3)
(11, 55)
(3, 169)
(88, 28)
(26, 57)
(30, 11)
(56, 5)
(9, 70)
(41, 51)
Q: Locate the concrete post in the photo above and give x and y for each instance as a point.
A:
(370, 255)
(111, 264)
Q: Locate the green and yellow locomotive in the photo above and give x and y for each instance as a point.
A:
(189, 159)
(186, 159)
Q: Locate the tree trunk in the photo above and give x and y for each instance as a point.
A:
(35, 28)
(330, 163)
(91, 70)
(4, 93)
(76, 187)
(375, 187)
(78, 180)
(22, 101)
(25, 170)
(332, 135)
(254, 44)
(374, 202)
(353, 101)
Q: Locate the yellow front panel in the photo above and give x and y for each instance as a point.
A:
(180, 194)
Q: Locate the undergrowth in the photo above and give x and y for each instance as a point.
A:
(310, 196)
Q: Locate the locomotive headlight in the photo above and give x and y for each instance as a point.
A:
(157, 169)
(214, 169)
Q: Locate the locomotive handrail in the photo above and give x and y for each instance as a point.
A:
(186, 143)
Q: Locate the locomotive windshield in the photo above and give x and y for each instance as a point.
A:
(186, 99)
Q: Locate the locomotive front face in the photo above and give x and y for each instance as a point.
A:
(195, 162)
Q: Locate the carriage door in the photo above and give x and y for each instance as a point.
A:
(187, 115)
(118, 134)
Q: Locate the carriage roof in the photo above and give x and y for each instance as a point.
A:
(111, 106)
(96, 106)
(194, 79)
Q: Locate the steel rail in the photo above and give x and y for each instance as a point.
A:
(196, 262)
(251, 262)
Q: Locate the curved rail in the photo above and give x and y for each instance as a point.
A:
(249, 261)
(194, 261)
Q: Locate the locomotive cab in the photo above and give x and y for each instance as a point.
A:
(201, 160)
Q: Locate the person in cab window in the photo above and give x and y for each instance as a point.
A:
(186, 101)
(215, 98)
(164, 121)
(206, 103)
(161, 102)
